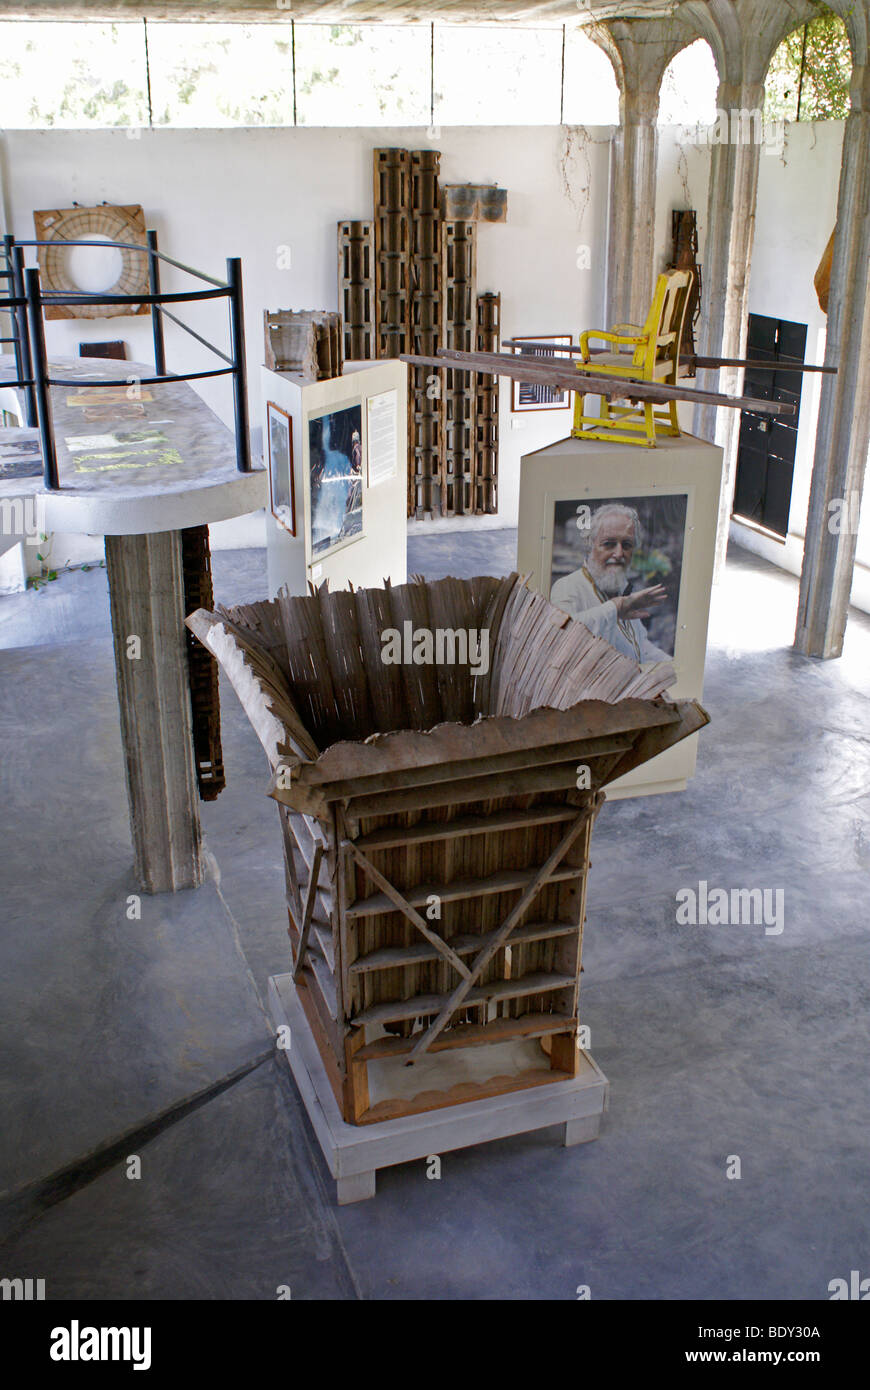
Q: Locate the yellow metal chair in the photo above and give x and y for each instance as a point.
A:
(655, 358)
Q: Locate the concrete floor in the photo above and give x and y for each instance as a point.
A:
(149, 1037)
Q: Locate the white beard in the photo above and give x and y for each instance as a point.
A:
(611, 579)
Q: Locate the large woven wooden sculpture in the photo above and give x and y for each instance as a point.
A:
(437, 815)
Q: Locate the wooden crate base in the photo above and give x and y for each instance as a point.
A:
(354, 1153)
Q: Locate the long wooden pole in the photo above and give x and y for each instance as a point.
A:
(692, 360)
(569, 379)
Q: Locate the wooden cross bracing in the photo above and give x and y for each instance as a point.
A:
(541, 876)
(405, 907)
(310, 900)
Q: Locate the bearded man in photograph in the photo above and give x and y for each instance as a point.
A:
(596, 593)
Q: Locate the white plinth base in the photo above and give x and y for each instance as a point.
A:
(575, 472)
(354, 1153)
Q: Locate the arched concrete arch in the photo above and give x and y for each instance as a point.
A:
(693, 42)
(640, 50)
(857, 22)
(745, 34)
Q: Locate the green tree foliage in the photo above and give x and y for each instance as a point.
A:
(75, 76)
(809, 74)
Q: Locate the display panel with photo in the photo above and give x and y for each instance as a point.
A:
(533, 395)
(616, 567)
(335, 478)
(281, 485)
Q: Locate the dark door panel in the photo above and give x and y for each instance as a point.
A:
(777, 496)
(750, 487)
(766, 447)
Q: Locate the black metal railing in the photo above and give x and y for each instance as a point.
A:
(27, 302)
(13, 302)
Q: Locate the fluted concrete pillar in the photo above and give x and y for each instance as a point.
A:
(640, 50)
(146, 591)
(732, 194)
(843, 431)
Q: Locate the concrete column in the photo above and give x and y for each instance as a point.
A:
(146, 592)
(634, 157)
(727, 262)
(640, 50)
(843, 432)
(744, 35)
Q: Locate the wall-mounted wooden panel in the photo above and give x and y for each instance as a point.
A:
(356, 288)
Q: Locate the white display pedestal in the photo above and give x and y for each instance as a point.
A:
(354, 1153)
(589, 472)
(380, 552)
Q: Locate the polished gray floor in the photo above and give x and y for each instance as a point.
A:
(145, 1038)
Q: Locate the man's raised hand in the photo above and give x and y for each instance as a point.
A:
(638, 605)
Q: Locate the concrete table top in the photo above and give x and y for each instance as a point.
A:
(132, 459)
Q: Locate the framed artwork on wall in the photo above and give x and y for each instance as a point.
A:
(335, 478)
(531, 395)
(281, 486)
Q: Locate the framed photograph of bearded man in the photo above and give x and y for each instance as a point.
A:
(616, 566)
(623, 540)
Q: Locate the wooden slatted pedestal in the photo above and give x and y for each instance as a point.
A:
(354, 1153)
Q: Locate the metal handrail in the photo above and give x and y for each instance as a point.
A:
(128, 246)
(211, 347)
(31, 361)
(88, 385)
(85, 297)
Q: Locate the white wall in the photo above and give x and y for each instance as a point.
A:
(682, 176)
(252, 192)
(211, 194)
(796, 212)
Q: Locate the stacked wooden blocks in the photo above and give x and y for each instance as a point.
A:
(407, 284)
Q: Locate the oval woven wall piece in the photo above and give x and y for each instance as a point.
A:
(82, 224)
